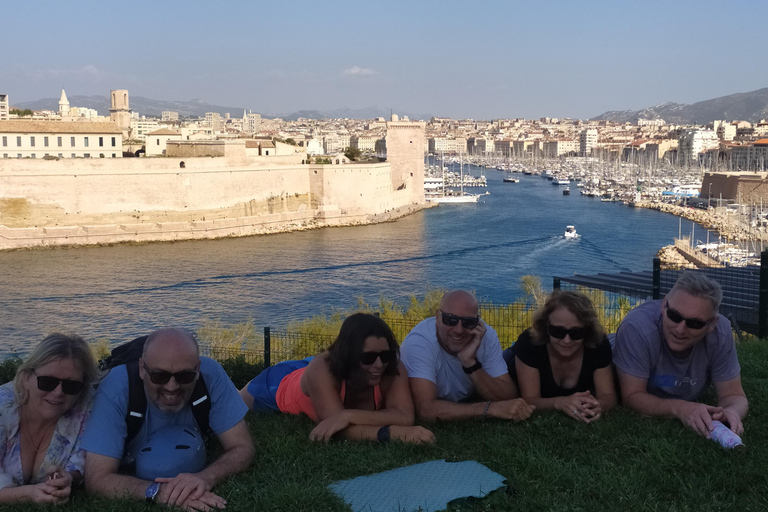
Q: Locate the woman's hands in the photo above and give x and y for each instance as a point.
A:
(581, 406)
(325, 430)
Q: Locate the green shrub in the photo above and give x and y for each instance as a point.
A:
(8, 369)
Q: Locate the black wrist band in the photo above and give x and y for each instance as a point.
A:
(383, 434)
(472, 368)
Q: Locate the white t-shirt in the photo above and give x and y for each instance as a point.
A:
(424, 358)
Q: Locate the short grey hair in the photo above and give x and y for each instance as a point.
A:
(698, 284)
(184, 333)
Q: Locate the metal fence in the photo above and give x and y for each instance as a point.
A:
(745, 303)
(745, 289)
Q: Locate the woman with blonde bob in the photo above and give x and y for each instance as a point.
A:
(563, 361)
(42, 418)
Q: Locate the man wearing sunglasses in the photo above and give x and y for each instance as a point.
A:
(667, 352)
(455, 366)
(169, 368)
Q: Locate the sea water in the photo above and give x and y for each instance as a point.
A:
(124, 291)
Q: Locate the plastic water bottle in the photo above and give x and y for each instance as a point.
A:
(725, 437)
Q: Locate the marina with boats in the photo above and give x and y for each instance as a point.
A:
(734, 234)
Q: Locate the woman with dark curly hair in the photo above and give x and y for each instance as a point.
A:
(358, 387)
(563, 361)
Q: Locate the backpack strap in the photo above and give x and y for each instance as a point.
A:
(201, 406)
(137, 402)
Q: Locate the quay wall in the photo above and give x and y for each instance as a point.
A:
(746, 187)
(103, 201)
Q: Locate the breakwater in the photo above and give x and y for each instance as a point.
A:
(726, 223)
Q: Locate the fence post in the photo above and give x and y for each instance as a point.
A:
(762, 305)
(267, 350)
(555, 283)
(656, 278)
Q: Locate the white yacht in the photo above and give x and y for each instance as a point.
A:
(570, 232)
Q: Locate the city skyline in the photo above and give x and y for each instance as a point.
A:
(484, 60)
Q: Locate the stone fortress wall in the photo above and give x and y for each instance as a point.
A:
(104, 201)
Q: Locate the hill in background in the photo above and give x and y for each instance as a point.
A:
(746, 106)
(198, 108)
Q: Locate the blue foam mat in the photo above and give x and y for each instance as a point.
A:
(428, 487)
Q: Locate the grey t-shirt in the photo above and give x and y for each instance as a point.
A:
(424, 358)
(641, 351)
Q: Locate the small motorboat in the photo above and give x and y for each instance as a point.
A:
(567, 191)
(570, 232)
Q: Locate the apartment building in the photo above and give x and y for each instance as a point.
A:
(169, 115)
(559, 147)
(587, 141)
(213, 121)
(62, 139)
(751, 158)
(141, 127)
(363, 143)
(694, 141)
(4, 107)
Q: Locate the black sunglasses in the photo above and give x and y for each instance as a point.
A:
(386, 356)
(47, 383)
(559, 332)
(691, 323)
(162, 376)
(467, 322)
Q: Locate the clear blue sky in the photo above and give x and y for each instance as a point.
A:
(446, 58)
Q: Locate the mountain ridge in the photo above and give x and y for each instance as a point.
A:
(197, 108)
(744, 106)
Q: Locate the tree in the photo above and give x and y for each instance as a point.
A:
(22, 113)
(352, 153)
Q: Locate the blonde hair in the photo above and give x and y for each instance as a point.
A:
(57, 346)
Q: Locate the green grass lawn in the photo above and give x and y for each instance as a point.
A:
(622, 462)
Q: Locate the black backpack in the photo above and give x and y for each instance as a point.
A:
(129, 354)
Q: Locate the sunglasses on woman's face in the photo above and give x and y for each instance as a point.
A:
(386, 356)
(68, 387)
(467, 322)
(691, 323)
(560, 332)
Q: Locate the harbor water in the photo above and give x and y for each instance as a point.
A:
(121, 292)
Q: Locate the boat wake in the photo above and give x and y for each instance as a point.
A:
(205, 282)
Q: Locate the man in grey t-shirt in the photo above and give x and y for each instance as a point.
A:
(668, 352)
(453, 360)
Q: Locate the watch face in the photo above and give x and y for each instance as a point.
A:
(151, 492)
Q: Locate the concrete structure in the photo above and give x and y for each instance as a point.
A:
(60, 139)
(251, 122)
(213, 121)
(63, 105)
(559, 147)
(157, 141)
(724, 130)
(587, 141)
(746, 187)
(364, 144)
(169, 115)
(119, 110)
(751, 158)
(139, 128)
(694, 142)
(66, 203)
(4, 108)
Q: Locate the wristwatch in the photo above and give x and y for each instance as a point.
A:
(472, 368)
(383, 434)
(151, 492)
